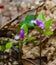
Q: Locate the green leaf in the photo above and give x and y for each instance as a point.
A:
(9, 45)
(38, 28)
(30, 17)
(27, 22)
(48, 23)
(17, 46)
(41, 17)
(36, 42)
(0, 48)
(22, 22)
(24, 26)
(48, 32)
(29, 25)
(30, 39)
(24, 43)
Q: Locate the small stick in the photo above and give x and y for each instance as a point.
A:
(11, 21)
(40, 48)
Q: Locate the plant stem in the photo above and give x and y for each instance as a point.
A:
(3, 57)
(40, 48)
(20, 53)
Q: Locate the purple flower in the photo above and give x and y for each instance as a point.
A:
(21, 35)
(40, 24)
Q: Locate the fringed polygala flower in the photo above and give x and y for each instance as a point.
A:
(21, 35)
(40, 24)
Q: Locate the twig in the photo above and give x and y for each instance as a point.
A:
(40, 48)
(11, 21)
(30, 61)
(53, 8)
(20, 52)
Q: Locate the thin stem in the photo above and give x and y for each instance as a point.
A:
(20, 53)
(30, 61)
(40, 48)
(3, 57)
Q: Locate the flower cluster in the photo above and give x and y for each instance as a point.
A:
(35, 21)
(21, 35)
(38, 22)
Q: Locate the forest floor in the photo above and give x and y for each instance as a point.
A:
(14, 8)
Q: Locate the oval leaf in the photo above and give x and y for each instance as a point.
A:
(48, 32)
(48, 23)
(0, 48)
(24, 26)
(30, 17)
(9, 45)
(41, 17)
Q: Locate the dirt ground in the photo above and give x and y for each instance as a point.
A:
(12, 8)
